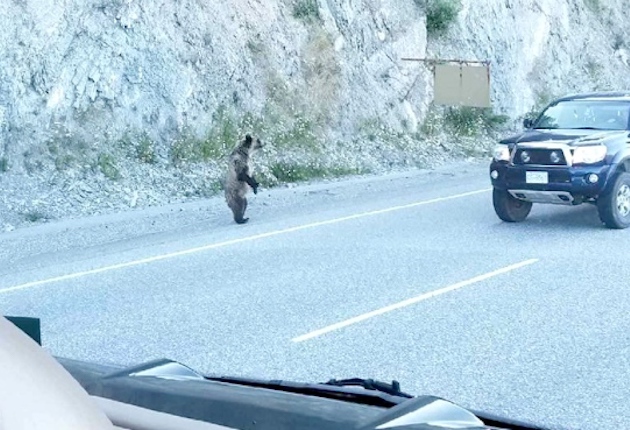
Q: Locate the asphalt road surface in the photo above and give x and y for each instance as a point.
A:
(409, 277)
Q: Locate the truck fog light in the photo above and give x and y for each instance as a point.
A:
(525, 157)
(592, 178)
(555, 157)
(494, 174)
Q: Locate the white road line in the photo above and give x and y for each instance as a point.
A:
(410, 301)
(234, 242)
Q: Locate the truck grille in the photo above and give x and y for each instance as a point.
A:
(539, 156)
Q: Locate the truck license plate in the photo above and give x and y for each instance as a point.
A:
(536, 177)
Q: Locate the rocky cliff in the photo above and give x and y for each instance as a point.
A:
(107, 104)
(100, 69)
(540, 49)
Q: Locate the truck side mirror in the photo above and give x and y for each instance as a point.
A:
(528, 123)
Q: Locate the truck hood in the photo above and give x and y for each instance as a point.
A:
(571, 137)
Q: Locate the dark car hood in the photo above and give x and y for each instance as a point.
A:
(571, 137)
(168, 386)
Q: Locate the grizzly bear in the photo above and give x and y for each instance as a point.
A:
(240, 177)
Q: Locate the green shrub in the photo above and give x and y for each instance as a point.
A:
(306, 10)
(470, 121)
(64, 162)
(287, 172)
(145, 150)
(34, 215)
(441, 14)
(300, 134)
(106, 163)
(138, 145)
(216, 144)
(594, 5)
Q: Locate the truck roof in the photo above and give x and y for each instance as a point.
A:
(600, 95)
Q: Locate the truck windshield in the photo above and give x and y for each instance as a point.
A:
(586, 114)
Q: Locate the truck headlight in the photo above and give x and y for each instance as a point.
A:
(501, 152)
(589, 154)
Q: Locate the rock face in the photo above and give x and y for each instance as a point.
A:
(100, 99)
(99, 68)
(540, 49)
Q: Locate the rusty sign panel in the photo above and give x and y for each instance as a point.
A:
(462, 84)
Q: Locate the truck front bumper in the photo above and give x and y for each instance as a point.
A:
(567, 185)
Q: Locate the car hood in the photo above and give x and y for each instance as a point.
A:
(571, 137)
(168, 386)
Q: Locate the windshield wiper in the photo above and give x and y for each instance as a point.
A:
(368, 391)
(392, 389)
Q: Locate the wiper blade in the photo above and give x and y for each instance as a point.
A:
(385, 395)
(392, 389)
(369, 392)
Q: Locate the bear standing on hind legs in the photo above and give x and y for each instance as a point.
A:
(240, 177)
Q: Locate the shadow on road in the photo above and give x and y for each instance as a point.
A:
(584, 218)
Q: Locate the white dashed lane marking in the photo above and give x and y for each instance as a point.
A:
(411, 301)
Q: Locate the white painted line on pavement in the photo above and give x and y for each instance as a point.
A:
(234, 242)
(411, 301)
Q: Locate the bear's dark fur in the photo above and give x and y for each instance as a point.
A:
(240, 177)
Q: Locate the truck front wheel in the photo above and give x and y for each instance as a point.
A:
(614, 205)
(508, 208)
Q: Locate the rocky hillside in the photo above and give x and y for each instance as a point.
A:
(541, 49)
(112, 104)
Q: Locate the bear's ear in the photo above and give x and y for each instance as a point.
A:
(248, 139)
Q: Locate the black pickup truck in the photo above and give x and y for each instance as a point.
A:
(576, 151)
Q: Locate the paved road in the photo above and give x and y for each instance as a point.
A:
(409, 277)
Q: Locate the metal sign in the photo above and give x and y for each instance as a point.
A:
(460, 83)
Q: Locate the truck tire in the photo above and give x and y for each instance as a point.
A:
(508, 208)
(614, 205)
